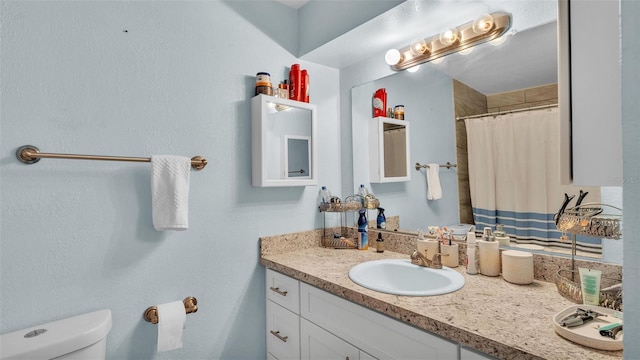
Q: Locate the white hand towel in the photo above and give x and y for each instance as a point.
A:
(170, 192)
(434, 191)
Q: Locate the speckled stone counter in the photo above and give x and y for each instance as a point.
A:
(488, 314)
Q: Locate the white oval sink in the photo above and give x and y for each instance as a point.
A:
(401, 277)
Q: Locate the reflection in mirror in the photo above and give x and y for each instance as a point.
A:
(297, 156)
(280, 126)
(395, 154)
(530, 51)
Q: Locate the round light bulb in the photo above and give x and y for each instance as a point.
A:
(449, 37)
(419, 47)
(483, 24)
(392, 57)
(413, 69)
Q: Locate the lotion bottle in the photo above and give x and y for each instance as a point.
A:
(472, 264)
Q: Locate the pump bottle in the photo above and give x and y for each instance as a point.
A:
(472, 263)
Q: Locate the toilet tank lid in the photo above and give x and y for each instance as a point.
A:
(61, 337)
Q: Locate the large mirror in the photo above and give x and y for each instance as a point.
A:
(283, 143)
(526, 59)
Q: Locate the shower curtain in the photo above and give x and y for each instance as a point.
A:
(514, 176)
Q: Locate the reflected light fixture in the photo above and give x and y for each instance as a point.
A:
(485, 28)
(413, 69)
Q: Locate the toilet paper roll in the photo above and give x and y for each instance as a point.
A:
(171, 319)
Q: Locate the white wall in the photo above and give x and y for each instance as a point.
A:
(138, 79)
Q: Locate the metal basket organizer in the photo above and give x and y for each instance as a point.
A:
(591, 220)
(572, 291)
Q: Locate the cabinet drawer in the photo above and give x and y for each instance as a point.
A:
(283, 290)
(283, 332)
(377, 334)
(318, 344)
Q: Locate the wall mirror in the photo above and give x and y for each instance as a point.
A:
(283, 142)
(526, 59)
(388, 150)
(297, 156)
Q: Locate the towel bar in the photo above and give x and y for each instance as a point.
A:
(30, 154)
(448, 165)
(190, 306)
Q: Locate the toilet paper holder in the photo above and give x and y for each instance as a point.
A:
(190, 306)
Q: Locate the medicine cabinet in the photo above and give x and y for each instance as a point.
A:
(283, 141)
(589, 93)
(389, 150)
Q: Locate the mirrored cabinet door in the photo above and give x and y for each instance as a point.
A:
(389, 150)
(283, 142)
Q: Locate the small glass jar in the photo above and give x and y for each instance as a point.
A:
(398, 112)
(263, 83)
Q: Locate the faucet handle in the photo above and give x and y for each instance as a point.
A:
(437, 258)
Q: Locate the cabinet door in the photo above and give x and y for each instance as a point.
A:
(590, 107)
(283, 290)
(283, 332)
(378, 335)
(389, 150)
(317, 343)
(466, 354)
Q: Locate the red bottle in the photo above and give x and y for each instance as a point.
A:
(380, 103)
(295, 83)
(304, 89)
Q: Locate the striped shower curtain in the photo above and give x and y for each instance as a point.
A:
(514, 175)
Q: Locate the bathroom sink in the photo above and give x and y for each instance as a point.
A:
(401, 277)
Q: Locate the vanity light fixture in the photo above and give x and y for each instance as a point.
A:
(484, 28)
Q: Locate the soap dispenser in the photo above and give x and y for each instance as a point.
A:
(363, 236)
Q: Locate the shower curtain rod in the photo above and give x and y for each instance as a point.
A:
(506, 112)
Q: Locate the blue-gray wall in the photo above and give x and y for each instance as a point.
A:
(137, 79)
(630, 10)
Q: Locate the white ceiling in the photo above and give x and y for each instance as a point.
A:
(527, 58)
(296, 4)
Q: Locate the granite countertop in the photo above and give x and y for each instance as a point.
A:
(488, 314)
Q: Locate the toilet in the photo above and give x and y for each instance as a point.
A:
(79, 337)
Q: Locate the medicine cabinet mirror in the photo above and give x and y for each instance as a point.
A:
(283, 142)
(388, 150)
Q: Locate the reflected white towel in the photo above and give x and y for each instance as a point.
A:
(170, 192)
(434, 191)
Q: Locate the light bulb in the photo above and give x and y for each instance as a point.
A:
(449, 37)
(413, 69)
(392, 57)
(466, 51)
(483, 24)
(419, 47)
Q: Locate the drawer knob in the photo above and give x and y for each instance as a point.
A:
(278, 291)
(277, 334)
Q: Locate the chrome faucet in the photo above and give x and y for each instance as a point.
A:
(435, 263)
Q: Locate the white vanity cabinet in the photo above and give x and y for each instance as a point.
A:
(590, 92)
(330, 327)
(389, 150)
(466, 354)
(283, 320)
(317, 343)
